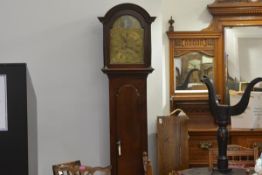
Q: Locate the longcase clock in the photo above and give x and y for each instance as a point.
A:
(127, 62)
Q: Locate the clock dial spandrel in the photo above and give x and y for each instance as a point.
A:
(126, 41)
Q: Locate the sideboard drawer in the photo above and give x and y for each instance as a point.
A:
(201, 140)
(198, 149)
(250, 141)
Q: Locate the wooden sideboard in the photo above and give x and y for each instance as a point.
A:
(208, 43)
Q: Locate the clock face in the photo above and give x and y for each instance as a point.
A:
(127, 41)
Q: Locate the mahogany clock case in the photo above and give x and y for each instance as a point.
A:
(127, 62)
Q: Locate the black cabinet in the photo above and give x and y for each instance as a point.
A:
(13, 138)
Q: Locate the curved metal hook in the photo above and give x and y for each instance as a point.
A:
(218, 109)
(242, 104)
(213, 101)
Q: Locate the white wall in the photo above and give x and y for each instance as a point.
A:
(243, 46)
(61, 42)
(232, 52)
(250, 50)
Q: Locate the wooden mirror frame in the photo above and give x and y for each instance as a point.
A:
(225, 14)
(201, 126)
(233, 14)
(205, 42)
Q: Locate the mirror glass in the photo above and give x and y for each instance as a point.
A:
(189, 68)
(243, 49)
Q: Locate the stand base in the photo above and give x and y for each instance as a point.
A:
(234, 171)
(206, 171)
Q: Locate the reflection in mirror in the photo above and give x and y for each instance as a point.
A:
(189, 68)
(243, 49)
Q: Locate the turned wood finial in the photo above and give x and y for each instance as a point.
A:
(171, 27)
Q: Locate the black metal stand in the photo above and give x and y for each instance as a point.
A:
(222, 138)
(222, 115)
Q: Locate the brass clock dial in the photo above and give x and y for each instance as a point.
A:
(127, 41)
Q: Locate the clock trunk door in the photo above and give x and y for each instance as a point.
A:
(130, 140)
